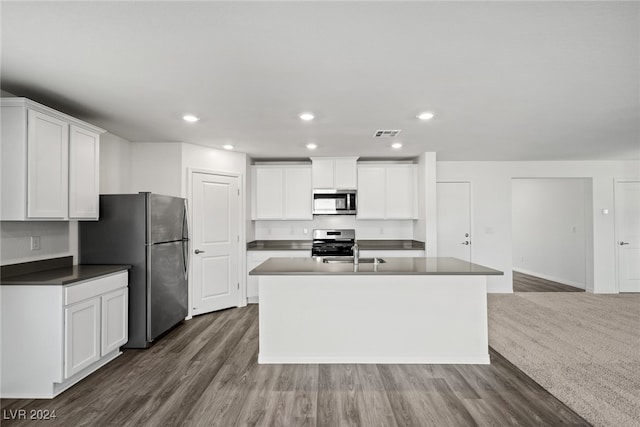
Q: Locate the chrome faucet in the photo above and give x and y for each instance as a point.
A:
(356, 253)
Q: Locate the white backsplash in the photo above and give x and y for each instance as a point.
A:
(57, 238)
(365, 229)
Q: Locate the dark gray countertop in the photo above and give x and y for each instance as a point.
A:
(392, 266)
(365, 245)
(279, 245)
(64, 275)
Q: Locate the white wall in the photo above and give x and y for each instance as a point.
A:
(425, 228)
(55, 240)
(156, 168)
(549, 228)
(212, 159)
(365, 229)
(491, 210)
(115, 164)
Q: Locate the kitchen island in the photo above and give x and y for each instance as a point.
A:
(402, 310)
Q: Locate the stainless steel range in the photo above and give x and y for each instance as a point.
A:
(333, 243)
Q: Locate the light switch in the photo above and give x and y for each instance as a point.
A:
(605, 211)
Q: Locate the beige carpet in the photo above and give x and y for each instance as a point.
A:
(583, 348)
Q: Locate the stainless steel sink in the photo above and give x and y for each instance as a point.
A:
(349, 260)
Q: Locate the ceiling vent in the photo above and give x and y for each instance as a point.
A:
(383, 133)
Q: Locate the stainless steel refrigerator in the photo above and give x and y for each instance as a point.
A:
(150, 232)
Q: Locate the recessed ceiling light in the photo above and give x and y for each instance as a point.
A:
(227, 147)
(190, 118)
(311, 146)
(396, 145)
(426, 115)
(306, 116)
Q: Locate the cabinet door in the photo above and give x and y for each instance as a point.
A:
(400, 189)
(371, 197)
(81, 336)
(84, 167)
(323, 173)
(47, 166)
(297, 193)
(345, 174)
(115, 327)
(269, 193)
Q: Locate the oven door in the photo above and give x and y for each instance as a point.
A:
(332, 249)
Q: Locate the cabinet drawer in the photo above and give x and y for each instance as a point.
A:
(92, 288)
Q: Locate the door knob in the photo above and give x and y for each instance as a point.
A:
(466, 242)
(623, 243)
(198, 251)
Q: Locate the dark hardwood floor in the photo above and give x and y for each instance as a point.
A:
(205, 373)
(526, 283)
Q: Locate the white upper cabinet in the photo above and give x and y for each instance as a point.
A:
(47, 166)
(281, 192)
(334, 172)
(371, 201)
(297, 193)
(50, 164)
(387, 191)
(84, 173)
(269, 192)
(400, 192)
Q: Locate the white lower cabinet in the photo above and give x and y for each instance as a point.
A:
(81, 336)
(114, 328)
(54, 336)
(255, 258)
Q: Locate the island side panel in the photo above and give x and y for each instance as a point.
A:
(373, 319)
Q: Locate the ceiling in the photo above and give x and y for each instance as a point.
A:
(506, 80)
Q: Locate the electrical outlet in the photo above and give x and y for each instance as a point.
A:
(35, 243)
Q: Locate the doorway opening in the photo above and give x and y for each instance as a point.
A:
(552, 234)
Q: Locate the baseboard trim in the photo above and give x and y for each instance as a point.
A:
(480, 359)
(549, 277)
(252, 300)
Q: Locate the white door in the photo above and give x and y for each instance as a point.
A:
(81, 336)
(628, 235)
(115, 326)
(323, 173)
(84, 173)
(297, 193)
(48, 166)
(454, 219)
(269, 193)
(400, 192)
(215, 212)
(371, 192)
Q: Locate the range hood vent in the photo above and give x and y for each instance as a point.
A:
(385, 133)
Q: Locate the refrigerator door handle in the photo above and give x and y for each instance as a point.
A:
(186, 255)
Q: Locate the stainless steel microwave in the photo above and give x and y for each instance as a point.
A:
(334, 202)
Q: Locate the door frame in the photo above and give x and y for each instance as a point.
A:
(589, 218)
(616, 225)
(242, 249)
(471, 222)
